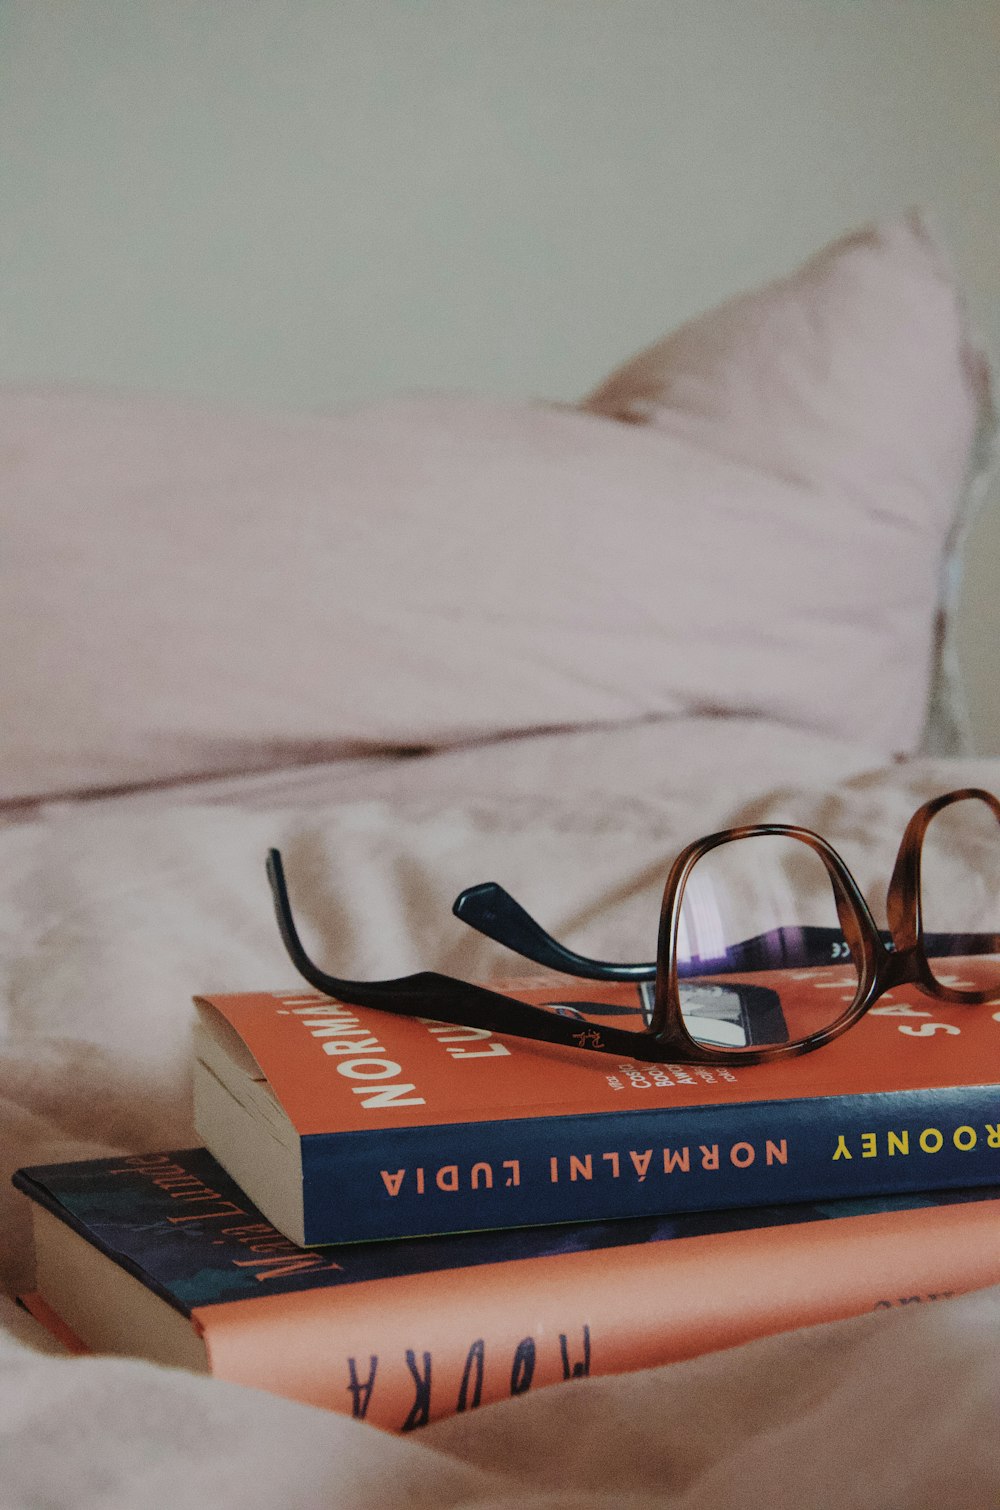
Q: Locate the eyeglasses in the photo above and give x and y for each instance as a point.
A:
(766, 949)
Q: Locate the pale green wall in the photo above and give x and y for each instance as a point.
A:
(306, 203)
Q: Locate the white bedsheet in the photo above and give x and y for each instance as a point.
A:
(113, 914)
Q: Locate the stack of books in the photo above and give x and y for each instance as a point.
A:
(401, 1219)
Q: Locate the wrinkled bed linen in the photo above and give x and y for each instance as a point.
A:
(675, 758)
(113, 913)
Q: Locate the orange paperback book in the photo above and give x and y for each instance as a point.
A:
(348, 1124)
(162, 1256)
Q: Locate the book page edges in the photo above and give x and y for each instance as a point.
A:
(243, 1125)
(103, 1306)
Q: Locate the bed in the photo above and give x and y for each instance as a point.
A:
(447, 639)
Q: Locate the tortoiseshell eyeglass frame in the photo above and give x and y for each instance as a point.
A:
(880, 966)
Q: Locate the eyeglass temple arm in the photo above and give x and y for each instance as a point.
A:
(492, 911)
(441, 998)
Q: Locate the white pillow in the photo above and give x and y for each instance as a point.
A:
(184, 592)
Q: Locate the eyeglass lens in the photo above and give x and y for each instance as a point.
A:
(960, 896)
(762, 958)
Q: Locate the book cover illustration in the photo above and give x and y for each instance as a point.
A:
(402, 1332)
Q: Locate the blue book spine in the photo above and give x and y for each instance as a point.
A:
(523, 1172)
